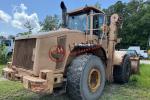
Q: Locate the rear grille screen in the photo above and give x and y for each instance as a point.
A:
(23, 52)
(61, 41)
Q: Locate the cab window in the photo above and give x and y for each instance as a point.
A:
(98, 21)
(77, 22)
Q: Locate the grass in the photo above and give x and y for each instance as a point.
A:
(143, 79)
(138, 88)
(125, 92)
(1, 67)
(12, 90)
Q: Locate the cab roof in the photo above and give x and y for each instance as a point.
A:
(86, 9)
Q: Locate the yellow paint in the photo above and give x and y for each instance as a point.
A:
(149, 52)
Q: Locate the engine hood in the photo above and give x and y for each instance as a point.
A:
(48, 34)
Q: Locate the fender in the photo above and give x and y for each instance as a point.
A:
(118, 57)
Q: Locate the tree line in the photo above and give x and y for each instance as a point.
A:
(135, 30)
(136, 22)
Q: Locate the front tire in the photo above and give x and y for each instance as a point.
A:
(86, 78)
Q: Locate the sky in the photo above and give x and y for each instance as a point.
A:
(15, 13)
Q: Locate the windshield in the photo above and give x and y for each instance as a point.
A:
(132, 53)
(6, 42)
(77, 22)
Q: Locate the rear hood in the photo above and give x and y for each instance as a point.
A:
(47, 34)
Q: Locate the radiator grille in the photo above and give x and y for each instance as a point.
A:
(23, 52)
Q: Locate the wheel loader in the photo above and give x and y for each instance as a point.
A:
(78, 58)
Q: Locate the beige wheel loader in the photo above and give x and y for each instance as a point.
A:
(77, 59)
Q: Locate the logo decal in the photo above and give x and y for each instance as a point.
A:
(57, 53)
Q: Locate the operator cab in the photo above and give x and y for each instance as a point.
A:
(87, 19)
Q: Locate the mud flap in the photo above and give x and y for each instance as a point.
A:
(135, 63)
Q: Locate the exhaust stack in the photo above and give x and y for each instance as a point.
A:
(64, 14)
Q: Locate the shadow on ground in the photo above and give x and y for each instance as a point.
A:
(51, 97)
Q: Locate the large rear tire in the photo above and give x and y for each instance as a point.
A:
(86, 78)
(122, 72)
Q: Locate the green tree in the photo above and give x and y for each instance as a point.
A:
(28, 26)
(3, 57)
(97, 5)
(50, 23)
(136, 22)
(22, 34)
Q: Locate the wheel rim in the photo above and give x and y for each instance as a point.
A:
(94, 80)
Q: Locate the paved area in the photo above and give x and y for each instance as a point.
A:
(144, 61)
